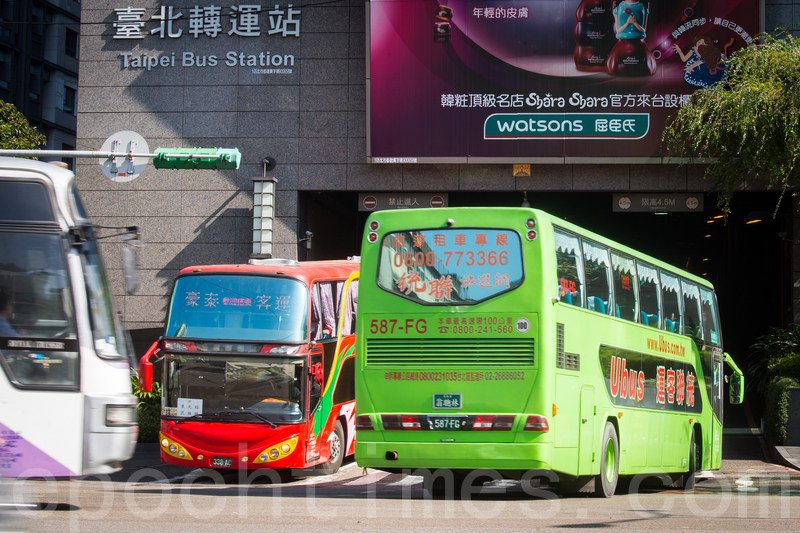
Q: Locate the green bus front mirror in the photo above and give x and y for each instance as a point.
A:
(736, 392)
(736, 387)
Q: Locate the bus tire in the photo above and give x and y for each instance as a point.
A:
(336, 451)
(606, 483)
(695, 464)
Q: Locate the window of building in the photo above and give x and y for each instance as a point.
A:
(597, 272)
(37, 19)
(5, 70)
(569, 268)
(70, 161)
(71, 43)
(69, 100)
(35, 87)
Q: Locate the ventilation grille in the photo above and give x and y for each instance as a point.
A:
(568, 361)
(450, 352)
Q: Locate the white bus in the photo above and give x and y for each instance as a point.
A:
(66, 406)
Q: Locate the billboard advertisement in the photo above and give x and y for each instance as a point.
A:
(556, 81)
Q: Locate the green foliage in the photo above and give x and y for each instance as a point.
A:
(750, 123)
(149, 411)
(777, 409)
(776, 354)
(15, 131)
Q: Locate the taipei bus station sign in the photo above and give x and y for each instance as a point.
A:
(525, 81)
(211, 22)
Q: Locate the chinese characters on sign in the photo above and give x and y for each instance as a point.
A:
(638, 203)
(262, 302)
(652, 382)
(242, 20)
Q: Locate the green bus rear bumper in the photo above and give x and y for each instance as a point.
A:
(461, 455)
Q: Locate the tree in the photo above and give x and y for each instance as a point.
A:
(15, 131)
(749, 124)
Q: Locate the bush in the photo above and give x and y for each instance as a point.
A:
(777, 409)
(776, 354)
(149, 411)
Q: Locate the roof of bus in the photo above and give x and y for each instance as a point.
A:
(408, 217)
(54, 171)
(305, 270)
(583, 232)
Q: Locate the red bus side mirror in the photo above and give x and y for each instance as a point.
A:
(145, 376)
(146, 369)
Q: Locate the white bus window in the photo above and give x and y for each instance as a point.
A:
(691, 310)
(625, 286)
(671, 302)
(649, 290)
(597, 273)
(36, 304)
(708, 305)
(569, 268)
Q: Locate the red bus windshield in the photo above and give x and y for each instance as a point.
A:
(239, 307)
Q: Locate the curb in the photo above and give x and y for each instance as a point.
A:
(781, 455)
(147, 447)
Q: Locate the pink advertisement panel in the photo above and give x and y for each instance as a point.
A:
(522, 79)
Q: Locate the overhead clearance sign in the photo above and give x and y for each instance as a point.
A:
(249, 21)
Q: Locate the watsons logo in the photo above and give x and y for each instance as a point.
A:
(566, 126)
(262, 63)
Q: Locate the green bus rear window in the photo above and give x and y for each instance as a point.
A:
(450, 266)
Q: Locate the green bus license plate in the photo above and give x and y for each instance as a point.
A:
(446, 423)
(222, 461)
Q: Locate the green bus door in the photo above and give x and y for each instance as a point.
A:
(587, 444)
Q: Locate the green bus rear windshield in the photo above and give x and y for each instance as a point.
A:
(443, 266)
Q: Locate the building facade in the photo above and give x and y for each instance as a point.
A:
(291, 82)
(39, 44)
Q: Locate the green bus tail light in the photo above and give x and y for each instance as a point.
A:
(391, 422)
(483, 423)
(536, 423)
(503, 423)
(363, 422)
(410, 422)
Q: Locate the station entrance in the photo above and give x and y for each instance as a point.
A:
(747, 258)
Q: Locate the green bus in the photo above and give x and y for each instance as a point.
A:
(511, 341)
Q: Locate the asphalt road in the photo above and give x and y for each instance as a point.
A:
(747, 494)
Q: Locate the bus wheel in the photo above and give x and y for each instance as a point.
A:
(695, 464)
(337, 451)
(606, 483)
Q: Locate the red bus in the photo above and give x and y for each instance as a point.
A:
(258, 366)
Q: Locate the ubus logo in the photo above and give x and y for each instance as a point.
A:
(626, 383)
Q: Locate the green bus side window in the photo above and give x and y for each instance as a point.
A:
(670, 302)
(597, 272)
(569, 269)
(649, 289)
